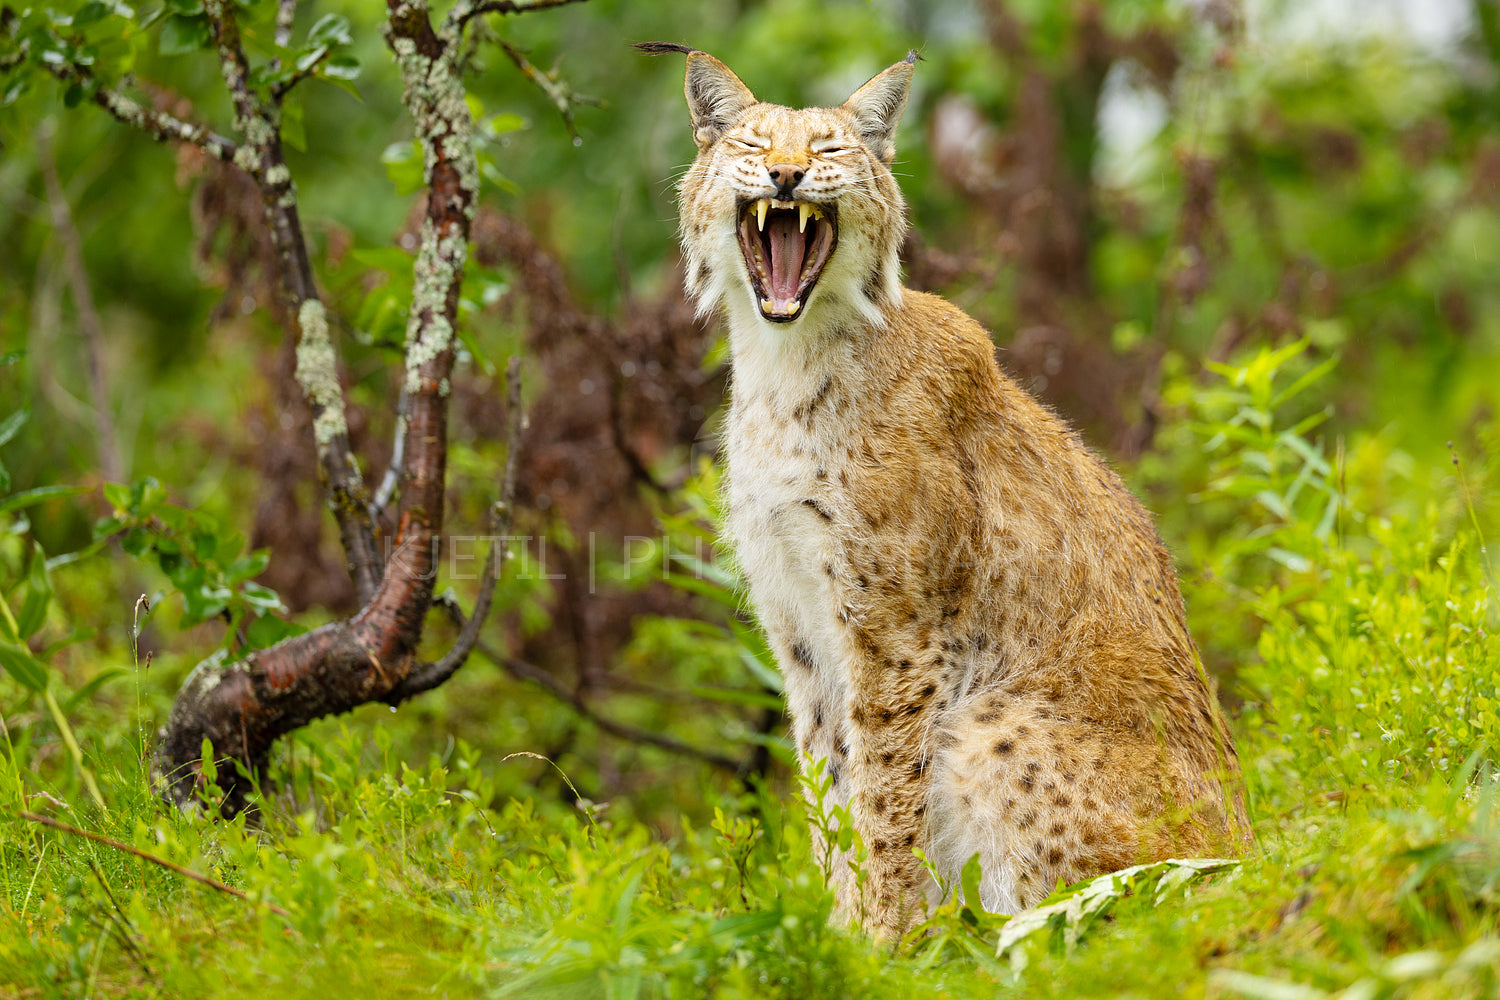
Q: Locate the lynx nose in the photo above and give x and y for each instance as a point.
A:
(785, 176)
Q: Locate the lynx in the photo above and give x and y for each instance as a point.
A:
(979, 628)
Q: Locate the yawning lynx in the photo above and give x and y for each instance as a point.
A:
(979, 628)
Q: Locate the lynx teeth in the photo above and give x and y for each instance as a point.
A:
(805, 210)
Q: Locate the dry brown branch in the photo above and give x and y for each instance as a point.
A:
(466, 12)
(524, 671)
(120, 845)
(559, 93)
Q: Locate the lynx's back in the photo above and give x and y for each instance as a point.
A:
(979, 628)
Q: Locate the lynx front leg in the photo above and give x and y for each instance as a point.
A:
(891, 708)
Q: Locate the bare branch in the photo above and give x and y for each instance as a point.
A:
(387, 488)
(242, 709)
(236, 69)
(430, 675)
(120, 845)
(158, 124)
(522, 671)
(466, 11)
(317, 369)
(558, 92)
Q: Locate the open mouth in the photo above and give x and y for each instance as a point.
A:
(786, 245)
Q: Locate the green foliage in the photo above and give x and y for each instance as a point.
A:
(202, 561)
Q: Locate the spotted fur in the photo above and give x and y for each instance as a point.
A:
(979, 628)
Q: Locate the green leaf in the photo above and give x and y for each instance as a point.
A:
(117, 495)
(91, 687)
(96, 10)
(180, 35)
(30, 498)
(27, 670)
(969, 879)
(330, 30)
(245, 567)
(262, 598)
(403, 165)
(12, 424)
(268, 630)
(33, 613)
(342, 67)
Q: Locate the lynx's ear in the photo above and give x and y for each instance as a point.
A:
(877, 106)
(715, 96)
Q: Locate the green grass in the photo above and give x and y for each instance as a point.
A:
(1369, 728)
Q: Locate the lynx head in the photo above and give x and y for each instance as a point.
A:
(788, 215)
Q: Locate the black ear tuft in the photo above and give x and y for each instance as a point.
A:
(662, 48)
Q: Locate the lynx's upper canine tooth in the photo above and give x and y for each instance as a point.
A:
(760, 214)
(803, 211)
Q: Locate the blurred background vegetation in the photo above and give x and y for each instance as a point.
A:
(1251, 250)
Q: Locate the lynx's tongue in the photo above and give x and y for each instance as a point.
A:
(788, 247)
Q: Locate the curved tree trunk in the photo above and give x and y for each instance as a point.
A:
(243, 708)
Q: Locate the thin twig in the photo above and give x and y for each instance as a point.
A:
(387, 488)
(466, 12)
(560, 94)
(521, 670)
(120, 845)
(158, 124)
(280, 90)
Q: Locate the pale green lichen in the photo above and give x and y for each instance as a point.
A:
(317, 373)
(247, 158)
(435, 97)
(279, 174)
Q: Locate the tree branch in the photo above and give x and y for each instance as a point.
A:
(388, 482)
(171, 866)
(429, 675)
(317, 369)
(523, 671)
(158, 124)
(244, 708)
(467, 10)
(280, 90)
(560, 94)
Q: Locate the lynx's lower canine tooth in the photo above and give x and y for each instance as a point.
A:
(791, 310)
(803, 211)
(760, 214)
(765, 305)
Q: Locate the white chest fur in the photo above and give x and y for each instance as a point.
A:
(790, 422)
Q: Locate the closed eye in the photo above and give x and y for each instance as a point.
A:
(745, 143)
(835, 150)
